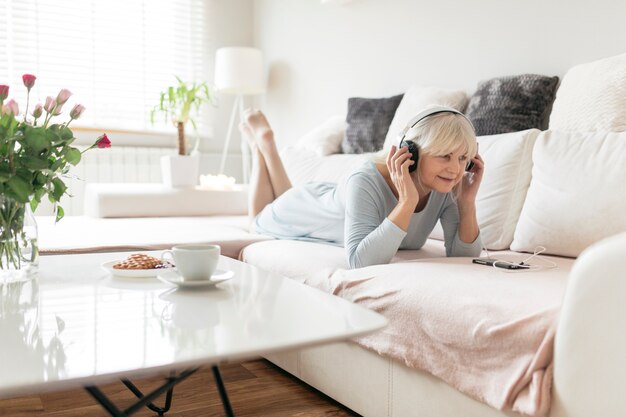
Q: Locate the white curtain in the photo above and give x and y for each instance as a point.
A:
(114, 55)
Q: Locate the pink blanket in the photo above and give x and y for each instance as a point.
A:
(487, 333)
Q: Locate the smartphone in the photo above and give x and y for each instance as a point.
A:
(500, 264)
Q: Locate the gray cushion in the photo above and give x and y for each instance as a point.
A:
(368, 122)
(512, 104)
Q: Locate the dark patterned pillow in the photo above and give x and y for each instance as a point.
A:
(368, 122)
(511, 104)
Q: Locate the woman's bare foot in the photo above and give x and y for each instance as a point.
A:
(258, 126)
(248, 134)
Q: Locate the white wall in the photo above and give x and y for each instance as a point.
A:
(318, 55)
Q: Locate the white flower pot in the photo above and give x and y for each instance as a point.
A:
(180, 170)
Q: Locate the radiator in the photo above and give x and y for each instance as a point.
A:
(113, 165)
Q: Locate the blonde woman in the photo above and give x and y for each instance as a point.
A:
(392, 202)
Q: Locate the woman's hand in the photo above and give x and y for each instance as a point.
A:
(398, 162)
(471, 182)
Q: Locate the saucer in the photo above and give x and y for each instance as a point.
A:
(132, 273)
(173, 277)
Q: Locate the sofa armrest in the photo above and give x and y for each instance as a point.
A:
(590, 346)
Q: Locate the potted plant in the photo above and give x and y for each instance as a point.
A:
(180, 104)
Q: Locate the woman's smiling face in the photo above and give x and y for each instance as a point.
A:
(441, 173)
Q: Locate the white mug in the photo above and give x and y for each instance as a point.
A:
(194, 262)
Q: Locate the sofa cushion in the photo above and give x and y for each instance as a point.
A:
(511, 104)
(368, 122)
(326, 138)
(304, 165)
(592, 97)
(83, 234)
(313, 263)
(576, 195)
(508, 162)
(416, 99)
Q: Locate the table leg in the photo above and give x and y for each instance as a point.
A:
(222, 390)
(144, 400)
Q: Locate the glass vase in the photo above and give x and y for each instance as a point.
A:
(19, 253)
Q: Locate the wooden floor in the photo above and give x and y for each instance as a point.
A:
(255, 388)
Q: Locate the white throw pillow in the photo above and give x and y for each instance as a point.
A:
(577, 194)
(592, 97)
(326, 138)
(417, 98)
(305, 165)
(508, 163)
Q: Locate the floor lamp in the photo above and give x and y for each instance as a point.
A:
(238, 71)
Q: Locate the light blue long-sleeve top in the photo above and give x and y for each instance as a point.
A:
(353, 214)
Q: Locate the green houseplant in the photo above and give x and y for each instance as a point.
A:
(35, 156)
(181, 104)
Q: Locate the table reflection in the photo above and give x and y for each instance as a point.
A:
(37, 350)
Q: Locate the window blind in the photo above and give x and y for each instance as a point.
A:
(115, 56)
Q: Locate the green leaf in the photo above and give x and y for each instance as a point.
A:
(40, 179)
(72, 155)
(59, 188)
(66, 133)
(33, 163)
(34, 204)
(5, 171)
(59, 214)
(36, 139)
(21, 189)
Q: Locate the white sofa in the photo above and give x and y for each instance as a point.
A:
(558, 188)
(532, 195)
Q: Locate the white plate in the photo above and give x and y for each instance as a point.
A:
(131, 273)
(171, 276)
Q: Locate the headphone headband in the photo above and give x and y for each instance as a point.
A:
(428, 112)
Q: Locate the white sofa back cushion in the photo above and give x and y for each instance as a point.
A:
(326, 138)
(592, 97)
(577, 194)
(417, 98)
(305, 165)
(508, 162)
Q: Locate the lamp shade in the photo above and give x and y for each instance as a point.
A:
(239, 70)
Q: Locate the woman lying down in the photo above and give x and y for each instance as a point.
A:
(392, 202)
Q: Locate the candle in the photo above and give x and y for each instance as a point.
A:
(217, 182)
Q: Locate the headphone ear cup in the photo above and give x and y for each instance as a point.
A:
(414, 150)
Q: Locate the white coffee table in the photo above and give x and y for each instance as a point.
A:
(76, 325)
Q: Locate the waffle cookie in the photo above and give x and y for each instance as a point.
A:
(139, 261)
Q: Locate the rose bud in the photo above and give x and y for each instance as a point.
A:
(103, 142)
(4, 92)
(63, 96)
(37, 111)
(29, 80)
(77, 110)
(57, 110)
(11, 108)
(50, 105)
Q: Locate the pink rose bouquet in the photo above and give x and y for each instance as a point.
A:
(36, 153)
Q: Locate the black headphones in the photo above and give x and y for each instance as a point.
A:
(413, 148)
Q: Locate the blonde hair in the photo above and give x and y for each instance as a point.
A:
(439, 134)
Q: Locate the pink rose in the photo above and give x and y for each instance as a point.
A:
(4, 92)
(57, 110)
(103, 141)
(29, 80)
(11, 108)
(77, 111)
(50, 105)
(38, 111)
(63, 96)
